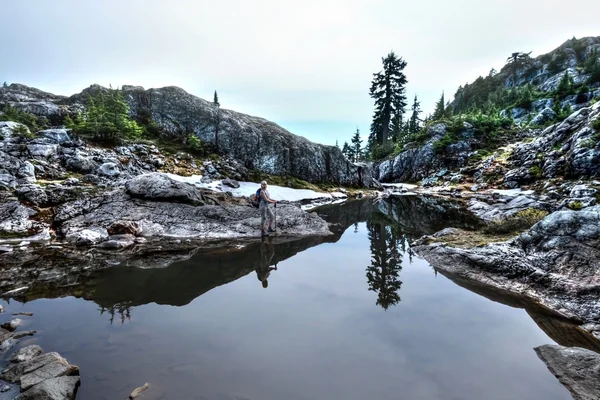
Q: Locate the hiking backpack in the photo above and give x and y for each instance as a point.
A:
(255, 199)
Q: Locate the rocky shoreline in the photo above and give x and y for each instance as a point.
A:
(33, 373)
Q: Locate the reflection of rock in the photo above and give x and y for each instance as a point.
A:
(155, 272)
(556, 262)
(577, 369)
(561, 330)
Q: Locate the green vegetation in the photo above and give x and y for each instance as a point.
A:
(354, 152)
(535, 172)
(575, 205)
(106, 119)
(288, 181)
(596, 124)
(34, 123)
(388, 92)
(517, 223)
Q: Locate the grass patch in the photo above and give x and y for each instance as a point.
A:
(517, 223)
(290, 181)
(468, 239)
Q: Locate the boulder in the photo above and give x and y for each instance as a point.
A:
(81, 163)
(26, 353)
(109, 169)
(33, 194)
(56, 136)
(580, 191)
(12, 325)
(160, 187)
(546, 115)
(8, 181)
(86, 236)
(60, 388)
(576, 368)
(124, 228)
(42, 150)
(27, 170)
(231, 183)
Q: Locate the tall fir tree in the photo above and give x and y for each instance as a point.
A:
(440, 107)
(216, 100)
(413, 124)
(388, 91)
(356, 146)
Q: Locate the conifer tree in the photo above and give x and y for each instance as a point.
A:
(413, 126)
(388, 91)
(346, 151)
(356, 146)
(438, 113)
(216, 100)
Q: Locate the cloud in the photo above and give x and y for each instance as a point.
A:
(304, 61)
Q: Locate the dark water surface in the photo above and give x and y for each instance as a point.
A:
(353, 316)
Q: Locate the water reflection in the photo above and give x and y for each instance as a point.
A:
(383, 274)
(264, 268)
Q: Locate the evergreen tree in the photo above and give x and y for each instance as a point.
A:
(388, 91)
(438, 113)
(346, 151)
(217, 120)
(356, 146)
(106, 118)
(336, 144)
(565, 86)
(413, 125)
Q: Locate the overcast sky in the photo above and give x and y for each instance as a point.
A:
(306, 65)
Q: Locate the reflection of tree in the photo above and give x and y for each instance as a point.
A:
(356, 227)
(387, 248)
(123, 309)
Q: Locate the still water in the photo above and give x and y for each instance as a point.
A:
(352, 316)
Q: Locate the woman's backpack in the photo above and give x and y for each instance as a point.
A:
(255, 198)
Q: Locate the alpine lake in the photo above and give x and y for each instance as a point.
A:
(356, 315)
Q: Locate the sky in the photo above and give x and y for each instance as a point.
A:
(306, 65)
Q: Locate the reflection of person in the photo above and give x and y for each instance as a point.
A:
(266, 255)
(265, 212)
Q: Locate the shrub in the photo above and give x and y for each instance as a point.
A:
(31, 121)
(596, 124)
(575, 205)
(518, 222)
(381, 151)
(536, 172)
(22, 131)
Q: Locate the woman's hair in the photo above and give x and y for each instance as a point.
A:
(263, 183)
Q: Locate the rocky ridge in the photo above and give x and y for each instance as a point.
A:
(257, 144)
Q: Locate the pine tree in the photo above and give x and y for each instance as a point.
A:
(413, 125)
(336, 144)
(217, 120)
(388, 91)
(438, 113)
(346, 151)
(356, 146)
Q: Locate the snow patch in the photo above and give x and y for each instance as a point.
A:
(249, 188)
